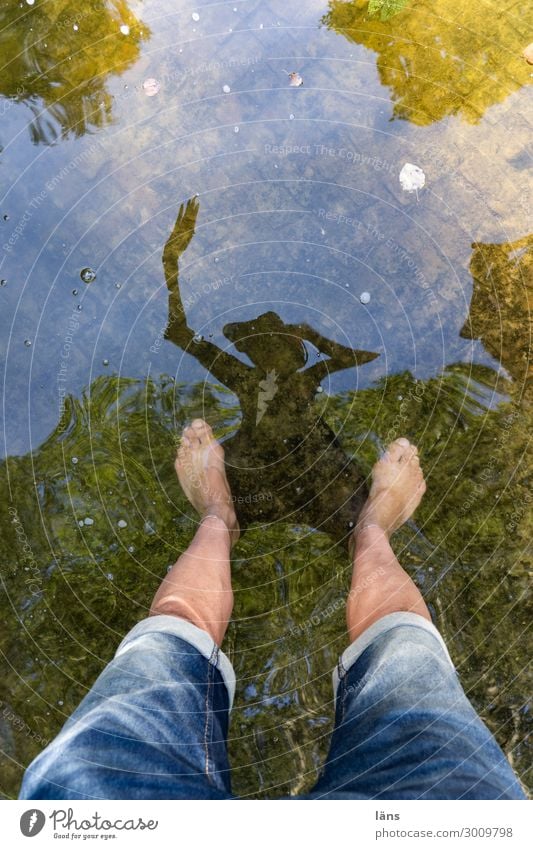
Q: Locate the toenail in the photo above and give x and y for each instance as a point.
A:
(403, 441)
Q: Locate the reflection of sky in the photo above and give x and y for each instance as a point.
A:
(303, 234)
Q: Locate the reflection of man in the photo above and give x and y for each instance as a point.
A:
(155, 724)
(283, 445)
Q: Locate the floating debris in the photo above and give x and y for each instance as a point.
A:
(122, 523)
(151, 87)
(364, 297)
(195, 16)
(412, 178)
(88, 521)
(295, 79)
(87, 275)
(149, 528)
(226, 89)
(125, 30)
(197, 338)
(27, 342)
(528, 54)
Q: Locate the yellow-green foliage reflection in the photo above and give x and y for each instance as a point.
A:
(442, 59)
(500, 312)
(61, 72)
(68, 601)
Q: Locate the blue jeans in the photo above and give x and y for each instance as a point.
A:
(155, 723)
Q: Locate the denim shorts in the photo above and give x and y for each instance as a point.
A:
(155, 723)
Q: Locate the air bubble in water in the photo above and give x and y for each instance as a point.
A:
(122, 523)
(195, 16)
(118, 285)
(125, 30)
(364, 297)
(74, 291)
(291, 117)
(3, 282)
(87, 275)
(105, 362)
(197, 338)
(235, 129)
(88, 521)
(226, 89)
(27, 342)
(74, 461)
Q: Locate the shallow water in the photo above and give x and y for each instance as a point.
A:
(299, 212)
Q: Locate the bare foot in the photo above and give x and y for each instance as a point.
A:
(202, 475)
(397, 488)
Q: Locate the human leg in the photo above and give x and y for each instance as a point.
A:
(154, 724)
(404, 728)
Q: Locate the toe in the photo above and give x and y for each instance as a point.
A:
(403, 441)
(397, 449)
(202, 430)
(201, 425)
(412, 456)
(191, 436)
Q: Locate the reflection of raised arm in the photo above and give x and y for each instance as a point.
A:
(225, 368)
(341, 356)
(178, 241)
